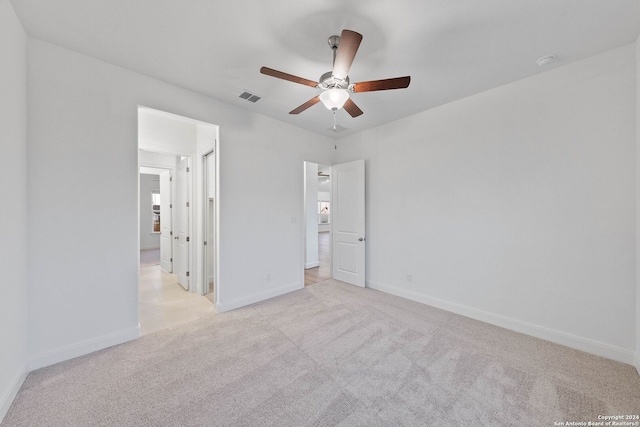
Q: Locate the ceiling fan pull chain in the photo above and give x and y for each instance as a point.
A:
(334, 120)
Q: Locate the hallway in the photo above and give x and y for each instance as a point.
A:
(164, 303)
(323, 271)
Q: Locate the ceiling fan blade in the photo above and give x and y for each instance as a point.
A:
(290, 77)
(349, 43)
(385, 84)
(351, 108)
(310, 103)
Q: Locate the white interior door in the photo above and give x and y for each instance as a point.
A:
(166, 238)
(181, 234)
(348, 238)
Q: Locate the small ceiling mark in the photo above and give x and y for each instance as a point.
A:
(338, 128)
(545, 60)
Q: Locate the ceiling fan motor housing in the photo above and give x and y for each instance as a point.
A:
(327, 81)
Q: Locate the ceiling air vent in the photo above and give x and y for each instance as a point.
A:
(250, 96)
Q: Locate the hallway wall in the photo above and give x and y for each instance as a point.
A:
(14, 328)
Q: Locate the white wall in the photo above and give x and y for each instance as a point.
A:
(13, 208)
(637, 324)
(515, 206)
(261, 206)
(148, 239)
(84, 123)
(311, 215)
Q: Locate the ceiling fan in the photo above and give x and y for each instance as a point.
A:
(335, 85)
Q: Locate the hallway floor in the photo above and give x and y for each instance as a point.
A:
(164, 303)
(322, 272)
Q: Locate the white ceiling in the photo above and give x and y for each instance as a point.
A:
(451, 49)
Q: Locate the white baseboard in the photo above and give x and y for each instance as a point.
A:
(637, 361)
(61, 354)
(311, 264)
(142, 248)
(7, 399)
(580, 343)
(252, 299)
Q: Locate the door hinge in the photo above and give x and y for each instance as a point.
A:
(187, 239)
(188, 170)
(205, 243)
(187, 274)
(170, 259)
(170, 206)
(187, 204)
(170, 178)
(171, 233)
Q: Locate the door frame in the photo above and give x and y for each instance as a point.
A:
(168, 212)
(158, 168)
(211, 247)
(203, 150)
(188, 231)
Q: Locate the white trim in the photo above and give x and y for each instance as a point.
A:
(252, 299)
(637, 362)
(7, 399)
(142, 248)
(311, 264)
(580, 343)
(61, 354)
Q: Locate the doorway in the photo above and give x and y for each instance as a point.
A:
(317, 254)
(161, 133)
(164, 299)
(156, 246)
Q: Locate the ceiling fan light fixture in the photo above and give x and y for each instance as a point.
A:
(334, 98)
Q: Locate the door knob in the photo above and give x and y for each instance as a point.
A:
(361, 239)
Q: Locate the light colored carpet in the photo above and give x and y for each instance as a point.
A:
(330, 354)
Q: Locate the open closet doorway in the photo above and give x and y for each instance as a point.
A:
(317, 199)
